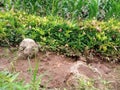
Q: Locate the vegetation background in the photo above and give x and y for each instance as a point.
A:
(70, 9)
(71, 27)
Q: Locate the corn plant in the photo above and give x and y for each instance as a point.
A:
(70, 9)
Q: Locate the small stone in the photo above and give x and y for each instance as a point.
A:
(27, 48)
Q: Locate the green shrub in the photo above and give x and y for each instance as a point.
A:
(57, 34)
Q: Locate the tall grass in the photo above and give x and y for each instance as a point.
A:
(35, 80)
(70, 9)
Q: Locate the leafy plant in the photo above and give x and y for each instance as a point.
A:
(64, 36)
(9, 81)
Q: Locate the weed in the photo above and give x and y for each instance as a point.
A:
(35, 81)
(8, 82)
(86, 84)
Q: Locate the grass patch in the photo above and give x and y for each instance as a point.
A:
(9, 81)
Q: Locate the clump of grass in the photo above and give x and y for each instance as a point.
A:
(89, 84)
(86, 84)
(36, 80)
(9, 81)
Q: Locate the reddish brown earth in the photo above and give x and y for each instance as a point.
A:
(56, 69)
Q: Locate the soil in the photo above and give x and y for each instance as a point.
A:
(56, 69)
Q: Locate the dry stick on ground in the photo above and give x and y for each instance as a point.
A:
(13, 69)
(86, 53)
(8, 45)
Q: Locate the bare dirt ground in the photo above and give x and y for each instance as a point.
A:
(57, 69)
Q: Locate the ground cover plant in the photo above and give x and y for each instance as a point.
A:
(61, 35)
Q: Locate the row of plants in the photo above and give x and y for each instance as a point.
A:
(57, 34)
(70, 9)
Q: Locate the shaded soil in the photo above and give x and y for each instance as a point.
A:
(56, 69)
